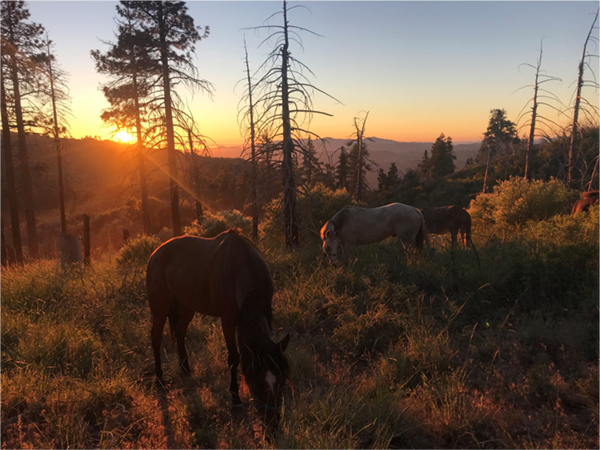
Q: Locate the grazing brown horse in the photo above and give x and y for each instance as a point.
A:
(352, 226)
(586, 200)
(224, 277)
(450, 219)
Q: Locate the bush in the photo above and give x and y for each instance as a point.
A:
(313, 209)
(214, 224)
(517, 201)
(137, 251)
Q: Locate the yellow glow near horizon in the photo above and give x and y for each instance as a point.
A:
(124, 137)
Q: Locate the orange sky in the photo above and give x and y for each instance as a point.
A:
(419, 68)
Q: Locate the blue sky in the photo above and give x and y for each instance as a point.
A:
(419, 68)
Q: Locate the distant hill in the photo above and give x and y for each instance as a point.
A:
(383, 152)
(406, 155)
(99, 176)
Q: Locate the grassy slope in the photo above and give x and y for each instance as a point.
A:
(389, 352)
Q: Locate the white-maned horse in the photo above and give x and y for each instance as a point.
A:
(352, 226)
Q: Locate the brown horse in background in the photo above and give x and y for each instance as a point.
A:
(224, 277)
(585, 202)
(450, 219)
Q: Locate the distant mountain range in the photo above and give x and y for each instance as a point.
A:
(383, 152)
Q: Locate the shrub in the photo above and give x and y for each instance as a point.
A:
(137, 251)
(314, 209)
(214, 224)
(517, 201)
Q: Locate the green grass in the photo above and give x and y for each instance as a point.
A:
(391, 351)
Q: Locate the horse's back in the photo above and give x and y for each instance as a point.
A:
(446, 219)
(369, 225)
(207, 275)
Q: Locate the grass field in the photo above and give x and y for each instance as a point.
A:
(392, 351)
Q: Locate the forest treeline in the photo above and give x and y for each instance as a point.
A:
(151, 73)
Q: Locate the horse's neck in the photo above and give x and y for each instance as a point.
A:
(251, 329)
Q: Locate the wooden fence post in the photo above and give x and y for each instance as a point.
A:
(86, 239)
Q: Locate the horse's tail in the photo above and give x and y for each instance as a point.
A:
(173, 319)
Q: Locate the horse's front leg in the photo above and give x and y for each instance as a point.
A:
(233, 359)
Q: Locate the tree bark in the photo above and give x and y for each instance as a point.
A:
(24, 163)
(171, 155)
(289, 185)
(11, 181)
(575, 126)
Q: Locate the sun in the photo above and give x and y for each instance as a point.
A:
(124, 136)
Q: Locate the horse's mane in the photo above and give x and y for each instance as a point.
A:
(339, 218)
(258, 299)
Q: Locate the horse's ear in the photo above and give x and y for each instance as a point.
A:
(284, 343)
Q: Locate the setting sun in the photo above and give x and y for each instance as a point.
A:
(123, 136)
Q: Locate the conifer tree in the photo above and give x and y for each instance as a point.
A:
(130, 92)
(171, 36)
(21, 41)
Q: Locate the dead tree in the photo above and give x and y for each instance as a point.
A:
(576, 125)
(538, 94)
(285, 101)
(247, 112)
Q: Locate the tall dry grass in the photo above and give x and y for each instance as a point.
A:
(391, 351)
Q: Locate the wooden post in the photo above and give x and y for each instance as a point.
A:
(3, 245)
(86, 239)
(70, 249)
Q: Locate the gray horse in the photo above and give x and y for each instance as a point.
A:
(352, 226)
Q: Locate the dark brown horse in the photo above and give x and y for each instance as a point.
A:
(586, 200)
(450, 219)
(224, 277)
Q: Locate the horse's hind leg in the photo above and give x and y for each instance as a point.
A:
(233, 359)
(184, 318)
(158, 323)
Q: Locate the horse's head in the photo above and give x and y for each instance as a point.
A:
(267, 376)
(331, 245)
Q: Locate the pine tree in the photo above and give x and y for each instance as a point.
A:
(171, 36)
(22, 42)
(132, 69)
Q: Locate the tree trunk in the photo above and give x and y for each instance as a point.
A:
(533, 117)
(24, 165)
(172, 156)
(61, 192)
(141, 160)
(253, 154)
(11, 181)
(575, 126)
(487, 169)
(195, 176)
(289, 186)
